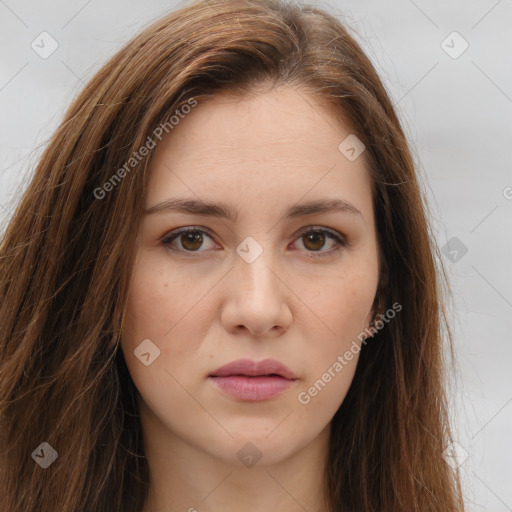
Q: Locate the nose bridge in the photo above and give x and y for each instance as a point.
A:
(254, 267)
(255, 296)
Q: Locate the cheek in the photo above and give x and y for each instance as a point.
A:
(342, 301)
(153, 304)
(325, 392)
(152, 310)
(343, 307)
(158, 310)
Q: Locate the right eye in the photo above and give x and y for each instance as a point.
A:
(190, 239)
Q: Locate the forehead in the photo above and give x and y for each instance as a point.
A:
(277, 145)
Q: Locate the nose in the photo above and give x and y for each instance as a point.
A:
(257, 299)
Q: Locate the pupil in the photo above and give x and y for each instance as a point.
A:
(195, 238)
(318, 237)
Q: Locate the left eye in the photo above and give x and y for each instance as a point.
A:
(191, 239)
(316, 238)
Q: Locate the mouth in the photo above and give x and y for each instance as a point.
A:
(249, 380)
(249, 368)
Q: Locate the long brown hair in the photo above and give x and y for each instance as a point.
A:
(66, 258)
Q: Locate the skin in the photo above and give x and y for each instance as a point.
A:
(260, 154)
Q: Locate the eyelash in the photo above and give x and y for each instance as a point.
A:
(338, 238)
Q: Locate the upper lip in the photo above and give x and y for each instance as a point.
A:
(254, 368)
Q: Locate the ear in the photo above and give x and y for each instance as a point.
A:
(379, 303)
(370, 317)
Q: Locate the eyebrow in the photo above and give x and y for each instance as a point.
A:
(197, 207)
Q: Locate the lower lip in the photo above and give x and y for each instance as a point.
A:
(252, 389)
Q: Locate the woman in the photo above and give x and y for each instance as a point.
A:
(220, 289)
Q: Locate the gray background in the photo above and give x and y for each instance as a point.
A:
(456, 112)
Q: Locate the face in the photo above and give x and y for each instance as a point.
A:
(259, 276)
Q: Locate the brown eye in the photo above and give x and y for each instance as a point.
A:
(186, 240)
(191, 240)
(315, 239)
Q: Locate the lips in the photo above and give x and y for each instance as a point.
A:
(253, 381)
(249, 368)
